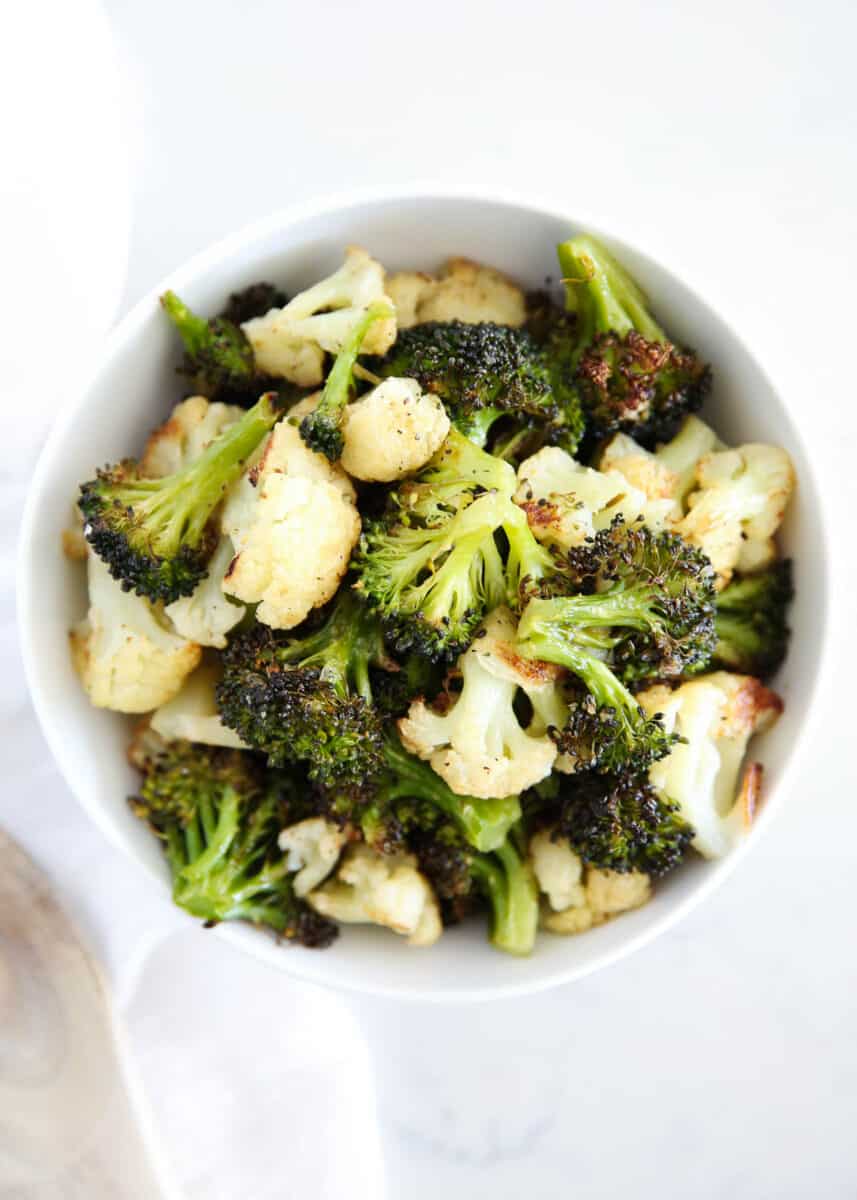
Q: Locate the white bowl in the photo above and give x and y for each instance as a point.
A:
(133, 388)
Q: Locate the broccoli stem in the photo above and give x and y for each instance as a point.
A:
(344, 648)
(174, 511)
(737, 640)
(623, 607)
(634, 736)
(508, 883)
(751, 621)
(320, 429)
(449, 592)
(555, 643)
(601, 292)
(479, 423)
(211, 877)
(460, 461)
(218, 834)
(529, 561)
(218, 353)
(485, 823)
(508, 448)
(194, 331)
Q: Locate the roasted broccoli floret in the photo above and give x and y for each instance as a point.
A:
(481, 373)
(400, 681)
(555, 332)
(321, 429)
(253, 301)
(484, 822)
(460, 874)
(628, 374)
(156, 535)
(309, 698)
(649, 598)
(431, 565)
(647, 611)
(431, 583)
(218, 813)
(751, 625)
(619, 822)
(219, 359)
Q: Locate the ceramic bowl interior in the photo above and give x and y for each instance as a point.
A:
(134, 387)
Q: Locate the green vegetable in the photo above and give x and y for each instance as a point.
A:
(646, 612)
(629, 376)
(156, 535)
(321, 429)
(218, 813)
(751, 622)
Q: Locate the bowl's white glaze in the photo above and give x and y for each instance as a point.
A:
(134, 386)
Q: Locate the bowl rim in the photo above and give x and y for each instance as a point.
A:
(125, 331)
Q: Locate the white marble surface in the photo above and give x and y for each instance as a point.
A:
(723, 1059)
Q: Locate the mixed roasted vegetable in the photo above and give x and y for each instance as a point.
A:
(440, 601)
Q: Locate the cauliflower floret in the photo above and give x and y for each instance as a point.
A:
(207, 615)
(392, 431)
(293, 522)
(669, 473)
(407, 290)
(125, 656)
(312, 849)
(478, 745)
(464, 291)
(291, 341)
(643, 471)
(190, 428)
(285, 452)
(566, 503)
(192, 713)
(612, 892)
(378, 889)
(558, 870)
(578, 897)
(682, 454)
(739, 502)
(717, 715)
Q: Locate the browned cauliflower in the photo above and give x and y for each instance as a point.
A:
(716, 715)
(737, 505)
(463, 291)
(293, 522)
(566, 503)
(477, 745)
(192, 713)
(578, 897)
(381, 889)
(126, 656)
(290, 342)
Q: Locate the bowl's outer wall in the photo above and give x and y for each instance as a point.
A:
(135, 387)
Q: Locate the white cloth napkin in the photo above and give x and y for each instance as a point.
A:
(257, 1087)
